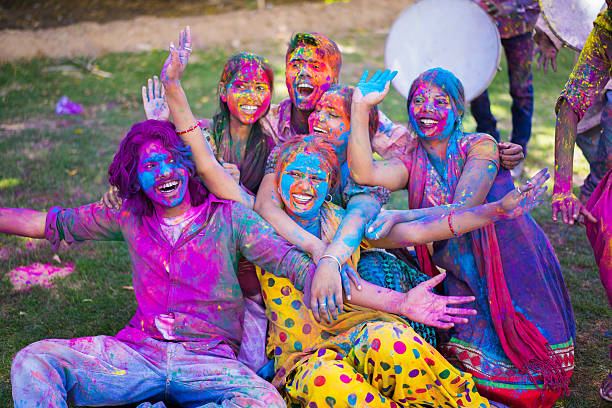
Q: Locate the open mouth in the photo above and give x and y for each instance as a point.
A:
(250, 109)
(317, 129)
(305, 90)
(302, 199)
(428, 122)
(169, 187)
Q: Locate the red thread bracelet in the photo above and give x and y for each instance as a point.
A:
(450, 223)
(182, 132)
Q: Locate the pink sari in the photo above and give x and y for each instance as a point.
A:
(600, 233)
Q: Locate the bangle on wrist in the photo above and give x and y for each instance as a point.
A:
(335, 258)
(182, 132)
(450, 223)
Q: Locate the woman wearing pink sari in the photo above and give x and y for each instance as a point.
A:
(520, 345)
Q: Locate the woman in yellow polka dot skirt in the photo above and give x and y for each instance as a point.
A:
(364, 358)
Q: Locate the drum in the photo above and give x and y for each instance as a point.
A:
(571, 20)
(456, 35)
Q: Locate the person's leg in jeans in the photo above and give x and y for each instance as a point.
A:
(519, 53)
(213, 378)
(98, 370)
(481, 110)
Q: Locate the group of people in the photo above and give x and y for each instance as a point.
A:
(267, 274)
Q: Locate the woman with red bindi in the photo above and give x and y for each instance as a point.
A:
(333, 360)
(523, 333)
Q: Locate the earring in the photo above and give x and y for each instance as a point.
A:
(328, 198)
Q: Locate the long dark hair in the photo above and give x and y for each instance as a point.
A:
(259, 143)
(123, 171)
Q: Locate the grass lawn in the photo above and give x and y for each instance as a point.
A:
(51, 160)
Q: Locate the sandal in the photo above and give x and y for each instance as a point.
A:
(605, 391)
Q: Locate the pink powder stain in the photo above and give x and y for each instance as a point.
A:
(24, 277)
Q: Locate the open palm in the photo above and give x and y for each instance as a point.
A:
(523, 199)
(154, 101)
(422, 305)
(371, 92)
(177, 59)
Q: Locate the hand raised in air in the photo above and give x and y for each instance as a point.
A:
(154, 101)
(177, 60)
(373, 91)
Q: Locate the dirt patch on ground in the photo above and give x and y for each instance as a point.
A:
(237, 29)
(37, 14)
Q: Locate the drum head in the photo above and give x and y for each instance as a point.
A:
(456, 35)
(571, 20)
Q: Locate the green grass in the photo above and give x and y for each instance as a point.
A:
(50, 160)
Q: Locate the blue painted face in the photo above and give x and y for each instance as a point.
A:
(162, 179)
(303, 185)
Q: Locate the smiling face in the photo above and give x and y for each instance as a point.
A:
(248, 93)
(431, 112)
(309, 75)
(331, 121)
(303, 185)
(164, 181)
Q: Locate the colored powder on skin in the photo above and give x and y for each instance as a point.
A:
(309, 75)
(24, 277)
(248, 88)
(303, 177)
(156, 167)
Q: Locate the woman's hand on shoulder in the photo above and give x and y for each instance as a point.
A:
(510, 154)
